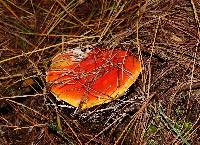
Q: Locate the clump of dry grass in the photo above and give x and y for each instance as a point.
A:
(162, 107)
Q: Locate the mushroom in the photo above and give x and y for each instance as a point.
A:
(99, 78)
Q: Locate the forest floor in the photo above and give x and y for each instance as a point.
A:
(161, 107)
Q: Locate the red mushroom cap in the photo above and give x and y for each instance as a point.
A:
(99, 78)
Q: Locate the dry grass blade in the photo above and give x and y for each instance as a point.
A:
(19, 7)
(133, 118)
(39, 50)
(110, 21)
(197, 45)
(106, 128)
(24, 96)
(11, 11)
(164, 35)
(67, 11)
(167, 120)
(152, 51)
(27, 108)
